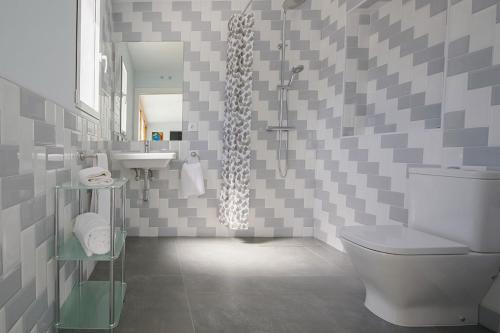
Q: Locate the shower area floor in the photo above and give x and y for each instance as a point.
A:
(186, 285)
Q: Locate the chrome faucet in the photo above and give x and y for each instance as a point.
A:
(147, 146)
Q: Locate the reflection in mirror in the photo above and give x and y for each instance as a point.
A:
(149, 91)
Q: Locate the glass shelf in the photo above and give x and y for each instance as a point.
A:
(117, 183)
(71, 249)
(87, 306)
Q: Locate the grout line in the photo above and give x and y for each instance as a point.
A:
(185, 287)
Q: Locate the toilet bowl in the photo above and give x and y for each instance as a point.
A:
(415, 280)
(437, 270)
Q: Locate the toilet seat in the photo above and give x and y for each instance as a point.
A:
(400, 240)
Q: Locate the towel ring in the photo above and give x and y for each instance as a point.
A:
(193, 154)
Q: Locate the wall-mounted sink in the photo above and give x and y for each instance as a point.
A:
(150, 161)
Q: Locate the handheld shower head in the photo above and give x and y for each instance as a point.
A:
(295, 71)
(292, 4)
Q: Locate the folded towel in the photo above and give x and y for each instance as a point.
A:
(93, 233)
(192, 183)
(95, 176)
(100, 202)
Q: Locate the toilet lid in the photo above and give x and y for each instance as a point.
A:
(401, 240)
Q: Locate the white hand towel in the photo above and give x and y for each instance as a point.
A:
(103, 204)
(93, 233)
(192, 182)
(95, 176)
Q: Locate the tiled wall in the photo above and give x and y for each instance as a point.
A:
(279, 207)
(39, 141)
(472, 109)
(362, 179)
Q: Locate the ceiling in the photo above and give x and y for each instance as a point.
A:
(162, 108)
(156, 56)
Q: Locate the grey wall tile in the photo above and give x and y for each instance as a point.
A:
(391, 198)
(426, 112)
(16, 189)
(379, 182)
(70, 120)
(470, 62)
(409, 155)
(15, 308)
(486, 77)
(432, 123)
(9, 160)
(431, 53)
(142, 6)
(459, 47)
(35, 312)
(467, 137)
(436, 66)
(483, 4)
(33, 211)
(482, 156)
(495, 95)
(394, 141)
(32, 105)
(398, 214)
(10, 284)
(44, 134)
(454, 120)
(355, 203)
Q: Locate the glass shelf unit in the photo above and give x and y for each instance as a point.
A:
(118, 183)
(87, 306)
(71, 249)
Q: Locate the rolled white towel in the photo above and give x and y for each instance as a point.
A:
(93, 233)
(95, 176)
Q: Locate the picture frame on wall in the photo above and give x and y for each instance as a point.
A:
(157, 136)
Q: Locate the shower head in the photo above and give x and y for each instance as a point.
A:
(295, 71)
(292, 4)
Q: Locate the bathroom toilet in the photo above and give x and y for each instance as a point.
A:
(437, 270)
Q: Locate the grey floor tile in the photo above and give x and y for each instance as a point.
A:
(135, 321)
(240, 285)
(225, 260)
(156, 304)
(230, 312)
(334, 257)
(151, 256)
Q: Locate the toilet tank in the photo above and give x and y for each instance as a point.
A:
(459, 205)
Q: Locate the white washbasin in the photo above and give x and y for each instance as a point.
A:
(144, 160)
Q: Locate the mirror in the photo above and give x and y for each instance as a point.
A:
(149, 91)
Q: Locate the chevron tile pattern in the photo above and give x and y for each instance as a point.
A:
(472, 114)
(279, 207)
(399, 57)
(406, 55)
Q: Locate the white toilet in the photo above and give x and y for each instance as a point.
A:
(436, 271)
